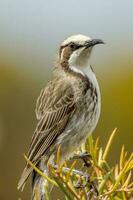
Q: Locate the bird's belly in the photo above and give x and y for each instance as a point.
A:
(79, 127)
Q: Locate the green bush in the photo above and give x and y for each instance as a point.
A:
(97, 180)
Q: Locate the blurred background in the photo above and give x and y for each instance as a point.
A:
(30, 34)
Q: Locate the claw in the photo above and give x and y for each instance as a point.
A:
(85, 156)
(79, 185)
(93, 188)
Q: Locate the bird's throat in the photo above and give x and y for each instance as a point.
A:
(84, 70)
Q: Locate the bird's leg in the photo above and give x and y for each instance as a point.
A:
(86, 157)
(90, 185)
(79, 183)
(92, 189)
(74, 171)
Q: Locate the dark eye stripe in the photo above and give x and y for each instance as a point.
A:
(61, 48)
(72, 45)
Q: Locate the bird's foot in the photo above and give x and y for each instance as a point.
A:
(92, 189)
(87, 183)
(86, 157)
(74, 171)
(79, 185)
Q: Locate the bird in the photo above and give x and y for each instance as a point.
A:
(67, 109)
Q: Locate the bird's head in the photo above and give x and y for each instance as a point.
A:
(76, 50)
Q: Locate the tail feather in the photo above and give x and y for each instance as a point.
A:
(39, 184)
(27, 171)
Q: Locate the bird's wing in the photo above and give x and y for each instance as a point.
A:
(54, 108)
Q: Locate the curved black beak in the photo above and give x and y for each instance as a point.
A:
(93, 42)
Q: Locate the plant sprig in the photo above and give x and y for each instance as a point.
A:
(99, 181)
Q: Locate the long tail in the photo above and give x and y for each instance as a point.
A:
(39, 185)
(26, 172)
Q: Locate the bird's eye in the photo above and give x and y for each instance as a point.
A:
(73, 46)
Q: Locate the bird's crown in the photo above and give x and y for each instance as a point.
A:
(77, 39)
